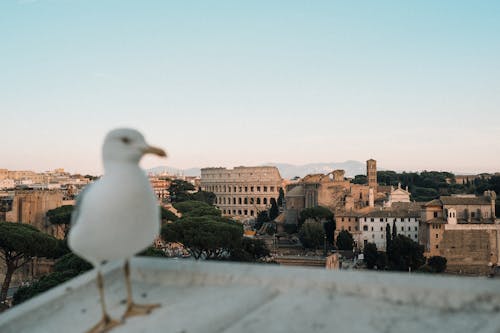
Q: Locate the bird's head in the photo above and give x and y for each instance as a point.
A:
(125, 145)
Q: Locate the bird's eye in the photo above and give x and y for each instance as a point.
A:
(125, 140)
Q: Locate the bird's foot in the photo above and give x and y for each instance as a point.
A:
(139, 309)
(105, 325)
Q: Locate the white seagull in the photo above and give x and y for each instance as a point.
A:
(117, 216)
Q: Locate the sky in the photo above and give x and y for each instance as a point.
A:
(414, 85)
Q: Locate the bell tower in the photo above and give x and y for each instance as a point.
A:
(371, 174)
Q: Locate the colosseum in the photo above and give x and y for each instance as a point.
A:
(242, 191)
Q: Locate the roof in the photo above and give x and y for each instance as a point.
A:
(459, 200)
(435, 202)
(209, 297)
(392, 212)
(456, 200)
(436, 220)
(297, 191)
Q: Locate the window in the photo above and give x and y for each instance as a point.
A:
(239, 201)
(234, 201)
(416, 236)
(265, 188)
(239, 188)
(258, 201)
(251, 213)
(437, 246)
(435, 214)
(356, 228)
(382, 236)
(258, 188)
(402, 228)
(272, 189)
(372, 228)
(264, 201)
(342, 219)
(416, 229)
(381, 228)
(239, 211)
(245, 201)
(365, 228)
(349, 228)
(372, 219)
(437, 235)
(373, 236)
(246, 212)
(246, 188)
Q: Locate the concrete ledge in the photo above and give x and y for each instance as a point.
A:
(227, 297)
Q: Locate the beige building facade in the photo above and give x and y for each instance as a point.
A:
(242, 192)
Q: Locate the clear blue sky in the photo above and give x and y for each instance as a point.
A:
(415, 85)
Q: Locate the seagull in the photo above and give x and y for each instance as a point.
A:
(117, 216)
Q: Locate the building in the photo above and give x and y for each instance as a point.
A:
(243, 191)
(464, 230)
(333, 191)
(404, 216)
(453, 210)
(348, 221)
(31, 206)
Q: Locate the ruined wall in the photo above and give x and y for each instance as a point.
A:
(471, 250)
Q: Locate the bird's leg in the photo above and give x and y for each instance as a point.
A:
(106, 323)
(132, 308)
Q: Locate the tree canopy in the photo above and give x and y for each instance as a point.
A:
(60, 215)
(370, 254)
(405, 254)
(312, 235)
(206, 237)
(19, 243)
(318, 213)
(167, 215)
(345, 241)
(196, 208)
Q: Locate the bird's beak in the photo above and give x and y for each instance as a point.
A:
(154, 150)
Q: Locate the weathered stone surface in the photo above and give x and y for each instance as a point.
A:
(221, 297)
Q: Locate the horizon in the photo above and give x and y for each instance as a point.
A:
(159, 166)
(414, 84)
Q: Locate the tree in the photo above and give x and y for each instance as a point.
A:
(388, 238)
(345, 241)
(61, 216)
(360, 179)
(179, 190)
(394, 230)
(19, 243)
(312, 235)
(318, 213)
(274, 210)
(204, 196)
(329, 227)
(249, 250)
(262, 217)
(405, 254)
(281, 197)
(437, 264)
(196, 208)
(370, 254)
(206, 237)
(167, 215)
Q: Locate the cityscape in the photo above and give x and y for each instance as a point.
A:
(237, 167)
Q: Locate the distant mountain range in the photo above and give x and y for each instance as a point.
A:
(287, 171)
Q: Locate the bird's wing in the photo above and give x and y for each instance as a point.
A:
(78, 203)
